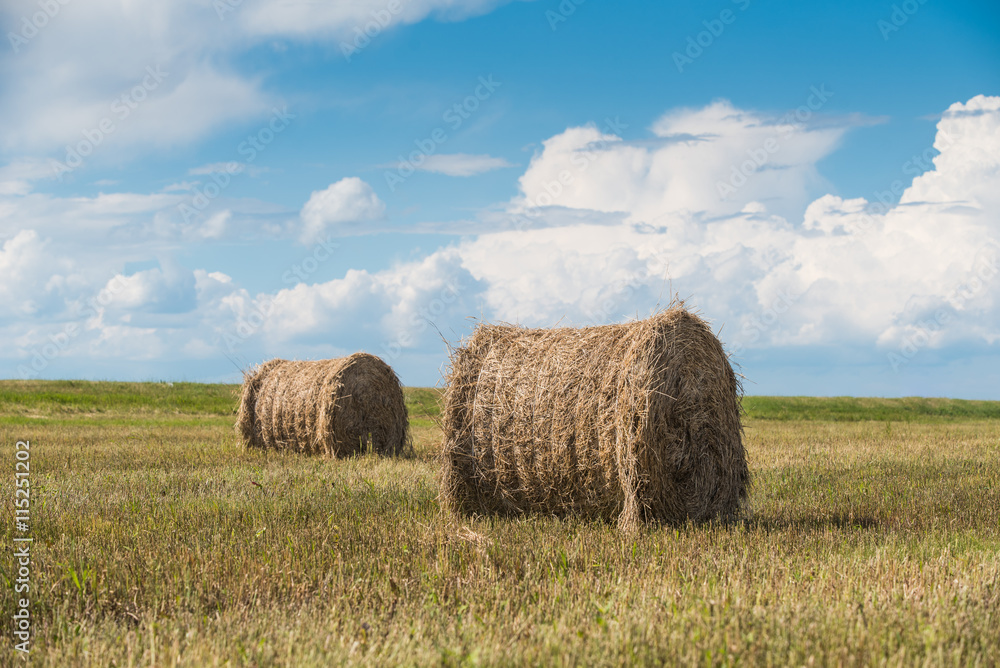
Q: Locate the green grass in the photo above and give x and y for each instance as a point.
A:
(162, 400)
(160, 541)
(56, 398)
(851, 409)
(423, 402)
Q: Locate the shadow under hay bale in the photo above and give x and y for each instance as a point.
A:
(638, 422)
(336, 407)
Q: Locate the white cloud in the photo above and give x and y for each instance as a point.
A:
(141, 219)
(461, 164)
(852, 272)
(169, 89)
(969, 143)
(389, 313)
(128, 342)
(340, 206)
(30, 280)
(63, 98)
(16, 176)
(340, 19)
(15, 187)
(80, 218)
(215, 226)
(169, 290)
(847, 272)
(182, 186)
(218, 168)
(713, 160)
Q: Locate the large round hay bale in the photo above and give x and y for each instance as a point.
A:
(637, 422)
(337, 407)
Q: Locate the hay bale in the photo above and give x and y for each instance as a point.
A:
(638, 422)
(337, 407)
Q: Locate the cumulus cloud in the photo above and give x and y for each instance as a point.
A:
(713, 160)
(341, 206)
(157, 290)
(461, 164)
(400, 314)
(851, 271)
(969, 144)
(26, 282)
(608, 243)
(847, 272)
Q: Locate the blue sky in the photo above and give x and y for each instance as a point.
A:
(819, 180)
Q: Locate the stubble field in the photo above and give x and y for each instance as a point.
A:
(873, 536)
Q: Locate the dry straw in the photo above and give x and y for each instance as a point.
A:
(638, 422)
(336, 407)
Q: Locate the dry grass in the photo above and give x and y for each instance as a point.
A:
(337, 407)
(638, 422)
(160, 540)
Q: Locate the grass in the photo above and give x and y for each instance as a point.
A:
(873, 537)
(854, 409)
(42, 398)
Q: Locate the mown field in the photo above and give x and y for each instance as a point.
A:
(872, 537)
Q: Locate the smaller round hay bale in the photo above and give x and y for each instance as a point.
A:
(336, 407)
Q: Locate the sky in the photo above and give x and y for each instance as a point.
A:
(194, 187)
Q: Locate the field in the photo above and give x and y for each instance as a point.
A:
(873, 537)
